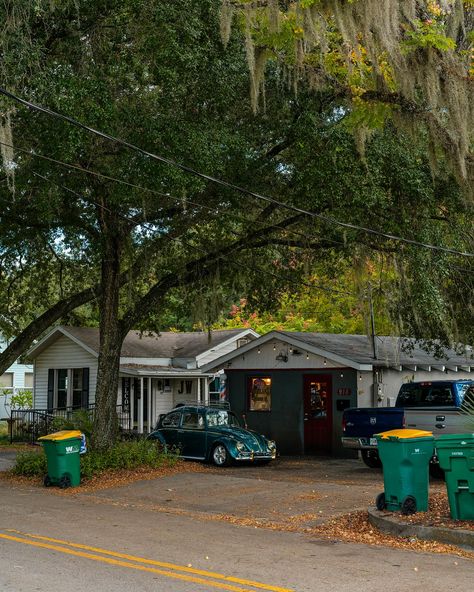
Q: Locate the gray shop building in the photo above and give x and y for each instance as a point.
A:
(294, 386)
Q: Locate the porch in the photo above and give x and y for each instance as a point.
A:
(145, 395)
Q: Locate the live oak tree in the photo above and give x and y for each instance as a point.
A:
(138, 70)
(411, 62)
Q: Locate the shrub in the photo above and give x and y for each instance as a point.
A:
(30, 464)
(80, 420)
(123, 455)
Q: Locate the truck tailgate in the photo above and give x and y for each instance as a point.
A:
(447, 420)
(366, 421)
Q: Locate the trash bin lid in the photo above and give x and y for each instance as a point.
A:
(62, 435)
(403, 434)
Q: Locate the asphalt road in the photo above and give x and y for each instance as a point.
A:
(57, 543)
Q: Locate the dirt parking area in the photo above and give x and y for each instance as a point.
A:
(289, 493)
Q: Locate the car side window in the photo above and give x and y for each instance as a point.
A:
(193, 420)
(171, 420)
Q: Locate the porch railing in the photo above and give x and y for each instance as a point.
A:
(27, 425)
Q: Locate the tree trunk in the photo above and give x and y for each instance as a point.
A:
(111, 337)
(34, 330)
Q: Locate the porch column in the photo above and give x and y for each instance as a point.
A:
(199, 390)
(132, 404)
(206, 390)
(150, 413)
(140, 408)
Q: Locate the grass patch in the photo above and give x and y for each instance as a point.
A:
(122, 456)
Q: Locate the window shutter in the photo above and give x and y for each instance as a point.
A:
(85, 388)
(50, 389)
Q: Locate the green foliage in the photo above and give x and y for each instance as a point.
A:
(429, 33)
(126, 455)
(80, 420)
(121, 456)
(30, 464)
(22, 400)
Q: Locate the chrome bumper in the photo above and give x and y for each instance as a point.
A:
(358, 444)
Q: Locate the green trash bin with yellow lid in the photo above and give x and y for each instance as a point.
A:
(455, 454)
(405, 456)
(62, 455)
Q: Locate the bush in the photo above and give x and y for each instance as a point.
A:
(80, 420)
(123, 455)
(30, 464)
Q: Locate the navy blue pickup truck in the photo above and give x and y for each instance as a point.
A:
(360, 424)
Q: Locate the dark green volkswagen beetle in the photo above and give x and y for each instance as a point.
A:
(212, 434)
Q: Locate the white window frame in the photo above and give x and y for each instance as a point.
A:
(69, 386)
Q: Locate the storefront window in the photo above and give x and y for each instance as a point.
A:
(260, 398)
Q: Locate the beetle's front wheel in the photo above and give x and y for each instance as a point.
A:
(220, 456)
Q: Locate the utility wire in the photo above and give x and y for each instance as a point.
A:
(179, 239)
(227, 184)
(98, 174)
(161, 194)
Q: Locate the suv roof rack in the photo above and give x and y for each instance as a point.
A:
(211, 404)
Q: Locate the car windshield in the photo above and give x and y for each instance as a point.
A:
(220, 417)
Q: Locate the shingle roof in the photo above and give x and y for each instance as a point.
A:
(391, 351)
(154, 345)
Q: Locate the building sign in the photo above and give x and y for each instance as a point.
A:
(260, 398)
(344, 391)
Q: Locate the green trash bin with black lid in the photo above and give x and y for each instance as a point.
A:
(456, 457)
(405, 456)
(62, 455)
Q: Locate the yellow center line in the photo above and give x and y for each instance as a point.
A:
(171, 566)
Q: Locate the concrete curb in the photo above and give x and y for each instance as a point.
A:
(392, 525)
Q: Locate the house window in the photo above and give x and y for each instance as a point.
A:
(260, 393)
(29, 380)
(69, 383)
(6, 380)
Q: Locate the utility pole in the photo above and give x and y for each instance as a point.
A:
(372, 323)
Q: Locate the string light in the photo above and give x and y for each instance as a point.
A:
(258, 351)
(325, 362)
(307, 355)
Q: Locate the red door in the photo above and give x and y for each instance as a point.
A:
(317, 414)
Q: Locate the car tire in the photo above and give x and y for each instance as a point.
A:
(219, 456)
(436, 471)
(371, 459)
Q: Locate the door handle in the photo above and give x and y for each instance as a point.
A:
(440, 426)
(440, 417)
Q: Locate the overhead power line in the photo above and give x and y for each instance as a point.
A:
(180, 239)
(180, 200)
(227, 184)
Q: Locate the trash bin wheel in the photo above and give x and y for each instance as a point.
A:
(47, 481)
(409, 505)
(64, 482)
(380, 502)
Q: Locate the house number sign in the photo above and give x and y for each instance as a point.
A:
(344, 391)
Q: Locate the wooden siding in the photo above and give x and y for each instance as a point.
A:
(63, 353)
(267, 358)
(218, 352)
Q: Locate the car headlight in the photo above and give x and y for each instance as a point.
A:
(240, 446)
(271, 445)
